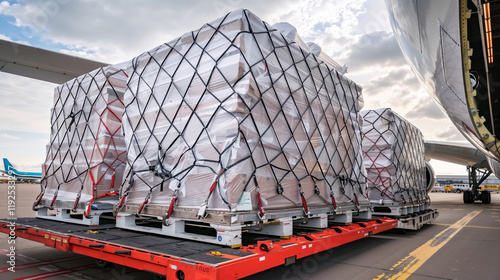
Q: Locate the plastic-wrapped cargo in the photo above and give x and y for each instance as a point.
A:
(394, 159)
(237, 118)
(86, 155)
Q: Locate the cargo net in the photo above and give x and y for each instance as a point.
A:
(86, 154)
(236, 117)
(393, 152)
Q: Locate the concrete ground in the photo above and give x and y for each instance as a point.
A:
(463, 243)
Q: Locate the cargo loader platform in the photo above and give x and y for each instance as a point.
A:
(175, 258)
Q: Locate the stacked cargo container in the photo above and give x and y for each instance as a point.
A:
(234, 119)
(394, 152)
(85, 158)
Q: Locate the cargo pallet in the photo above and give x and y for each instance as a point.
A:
(416, 220)
(397, 210)
(175, 258)
(75, 217)
(275, 223)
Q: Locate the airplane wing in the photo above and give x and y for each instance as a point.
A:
(458, 153)
(42, 64)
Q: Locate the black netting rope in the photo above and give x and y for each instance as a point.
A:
(290, 168)
(79, 114)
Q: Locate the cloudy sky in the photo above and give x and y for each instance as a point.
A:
(356, 33)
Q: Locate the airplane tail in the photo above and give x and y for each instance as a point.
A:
(8, 166)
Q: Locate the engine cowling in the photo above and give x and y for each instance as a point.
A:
(430, 176)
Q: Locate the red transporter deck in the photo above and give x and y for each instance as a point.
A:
(183, 259)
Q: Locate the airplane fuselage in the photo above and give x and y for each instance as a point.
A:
(434, 37)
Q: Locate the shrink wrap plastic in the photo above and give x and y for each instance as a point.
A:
(393, 151)
(86, 155)
(238, 108)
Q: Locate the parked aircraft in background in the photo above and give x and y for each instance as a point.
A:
(4, 178)
(20, 175)
(449, 45)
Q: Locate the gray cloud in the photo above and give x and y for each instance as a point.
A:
(450, 133)
(426, 108)
(118, 30)
(379, 48)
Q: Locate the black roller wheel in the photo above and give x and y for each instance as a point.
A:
(159, 277)
(467, 197)
(485, 197)
(101, 263)
(458, 191)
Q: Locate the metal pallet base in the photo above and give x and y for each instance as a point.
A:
(417, 220)
(396, 210)
(66, 215)
(220, 234)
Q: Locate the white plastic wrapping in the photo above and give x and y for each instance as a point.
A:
(86, 154)
(241, 106)
(393, 152)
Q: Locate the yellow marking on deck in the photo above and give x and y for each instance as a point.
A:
(469, 226)
(409, 264)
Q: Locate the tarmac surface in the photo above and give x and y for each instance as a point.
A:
(463, 243)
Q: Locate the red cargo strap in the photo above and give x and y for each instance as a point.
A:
(171, 207)
(87, 213)
(261, 208)
(107, 194)
(113, 181)
(334, 203)
(304, 204)
(142, 206)
(121, 201)
(39, 199)
(53, 200)
(76, 202)
(212, 188)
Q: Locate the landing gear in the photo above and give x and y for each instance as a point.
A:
(467, 197)
(485, 197)
(476, 194)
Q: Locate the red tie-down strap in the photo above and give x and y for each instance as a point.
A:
(202, 211)
(334, 203)
(87, 212)
(304, 203)
(171, 207)
(113, 181)
(212, 188)
(146, 201)
(76, 201)
(35, 204)
(53, 200)
(122, 200)
(107, 194)
(142, 206)
(261, 213)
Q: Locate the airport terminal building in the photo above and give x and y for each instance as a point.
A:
(463, 179)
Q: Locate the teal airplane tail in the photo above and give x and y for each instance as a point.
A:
(8, 166)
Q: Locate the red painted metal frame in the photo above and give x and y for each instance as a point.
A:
(266, 254)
